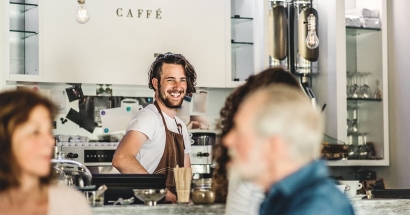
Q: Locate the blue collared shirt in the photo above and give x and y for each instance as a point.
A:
(309, 191)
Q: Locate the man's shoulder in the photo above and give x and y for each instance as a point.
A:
(148, 111)
(317, 197)
(323, 197)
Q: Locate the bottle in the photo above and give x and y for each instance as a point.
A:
(377, 92)
(362, 150)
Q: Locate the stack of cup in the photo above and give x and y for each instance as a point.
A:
(183, 177)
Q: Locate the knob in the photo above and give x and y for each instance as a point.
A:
(200, 154)
(70, 155)
(75, 155)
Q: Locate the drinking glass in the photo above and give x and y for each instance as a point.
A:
(365, 89)
(354, 88)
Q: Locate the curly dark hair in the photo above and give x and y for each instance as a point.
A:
(15, 109)
(225, 122)
(155, 70)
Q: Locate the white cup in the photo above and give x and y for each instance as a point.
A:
(351, 187)
(342, 188)
(63, 138)
(84, 139)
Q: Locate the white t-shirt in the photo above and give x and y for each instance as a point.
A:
(67, 201)
(149, 122)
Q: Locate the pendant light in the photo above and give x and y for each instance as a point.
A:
(312, 41)
(82, 14)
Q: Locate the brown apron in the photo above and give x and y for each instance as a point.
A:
(173, 154)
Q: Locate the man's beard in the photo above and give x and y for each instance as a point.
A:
(250, 169)
(166, 101)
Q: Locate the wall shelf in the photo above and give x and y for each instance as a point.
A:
(240, 44)
(21, 7)
(238, 19)
(22, 34)
(364, 99)
(360, 30)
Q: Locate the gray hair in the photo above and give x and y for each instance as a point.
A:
(288, 114)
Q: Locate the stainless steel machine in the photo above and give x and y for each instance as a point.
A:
(96, 156)
(201, 152)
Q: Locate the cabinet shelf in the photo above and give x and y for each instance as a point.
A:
(350, 162)
(364, 99)
(357, 133)
(21, 7)
(237, 19)
(240, 44)
(22, 34)
(360, 30)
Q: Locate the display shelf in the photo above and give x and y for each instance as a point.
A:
(364, 99)
(22, 34)
(360, 60)
(360, 30)
(248, 22)
(366, 60)
(240, 44)
(23, 30)
(348, 162)
(21, 7)
(357, 133)
(238, 19)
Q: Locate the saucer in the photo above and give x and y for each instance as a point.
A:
(357, 197)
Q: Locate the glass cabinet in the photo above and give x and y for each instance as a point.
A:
(362, 92)
(247, 39)
(23, 39)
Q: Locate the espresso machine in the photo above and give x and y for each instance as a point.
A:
(96, 156)
(293, 30)
(201, 153)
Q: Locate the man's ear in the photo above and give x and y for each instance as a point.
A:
(154, 83)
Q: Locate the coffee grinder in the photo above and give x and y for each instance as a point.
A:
(293, 29)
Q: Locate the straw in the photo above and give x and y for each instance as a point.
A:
(183, 183)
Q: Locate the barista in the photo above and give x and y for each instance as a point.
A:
(156, 140)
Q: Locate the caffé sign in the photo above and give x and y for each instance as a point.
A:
(140, 13)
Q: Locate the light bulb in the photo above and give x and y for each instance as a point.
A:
(312, 41)
(82, 14)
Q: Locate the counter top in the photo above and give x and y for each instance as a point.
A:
(361, 207)
(161, 209)
(380, 206)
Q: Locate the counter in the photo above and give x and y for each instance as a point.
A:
(161, 209)
(362, 207)
(380, 206)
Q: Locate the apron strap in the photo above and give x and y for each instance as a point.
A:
(160, 113)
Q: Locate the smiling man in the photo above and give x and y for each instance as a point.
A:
(156, 139)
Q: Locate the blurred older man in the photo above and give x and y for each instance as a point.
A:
(275, 142)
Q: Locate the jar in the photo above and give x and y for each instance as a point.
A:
(201, 192)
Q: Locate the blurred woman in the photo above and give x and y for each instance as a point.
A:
(26, 148)
(241, 197)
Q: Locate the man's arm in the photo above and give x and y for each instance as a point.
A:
(187, 160)
(124, 157)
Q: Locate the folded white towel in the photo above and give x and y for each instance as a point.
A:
(367, 13)
(353, 21)
(372, 23)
